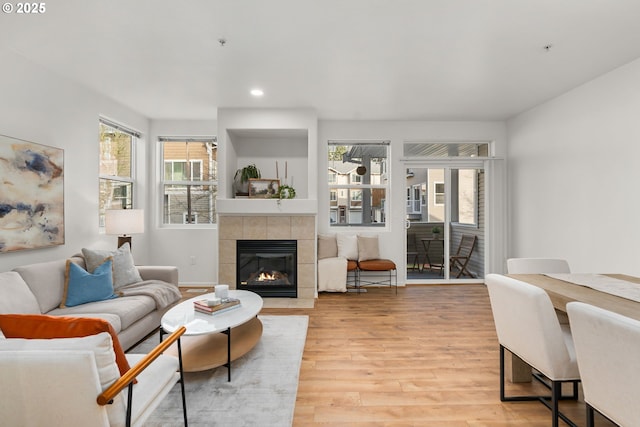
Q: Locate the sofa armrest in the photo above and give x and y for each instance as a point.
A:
(165, 273)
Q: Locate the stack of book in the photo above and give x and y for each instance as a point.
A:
(202, 306)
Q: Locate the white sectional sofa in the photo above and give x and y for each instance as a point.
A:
(39, 289)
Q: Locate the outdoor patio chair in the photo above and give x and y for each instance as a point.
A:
(412, 252)
(460, 260)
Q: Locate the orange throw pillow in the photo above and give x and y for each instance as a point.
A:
(41, 326)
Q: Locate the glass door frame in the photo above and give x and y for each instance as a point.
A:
(447, 165)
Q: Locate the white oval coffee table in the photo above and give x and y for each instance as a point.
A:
(213, 340)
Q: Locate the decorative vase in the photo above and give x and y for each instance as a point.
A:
(240, 188)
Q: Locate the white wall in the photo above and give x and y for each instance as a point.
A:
(392, 237)
(171, 245)
(39, 106)
(573, 175)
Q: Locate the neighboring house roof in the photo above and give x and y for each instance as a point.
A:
(345, 168)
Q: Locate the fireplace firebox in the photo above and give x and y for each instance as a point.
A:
(267, 267)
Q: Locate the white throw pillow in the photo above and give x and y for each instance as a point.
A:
(327, 246)
(368, 248)
(124, 269)
(348, 246)
(17, 298)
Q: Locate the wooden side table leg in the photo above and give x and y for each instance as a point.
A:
(516, 369)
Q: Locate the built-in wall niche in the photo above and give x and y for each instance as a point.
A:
(288, 148)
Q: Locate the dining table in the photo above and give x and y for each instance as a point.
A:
(563, 291)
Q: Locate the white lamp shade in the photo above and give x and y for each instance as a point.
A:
(124, 221)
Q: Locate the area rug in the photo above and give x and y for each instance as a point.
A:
(263, 386)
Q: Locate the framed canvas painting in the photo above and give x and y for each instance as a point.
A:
(31, 195)
(263, 188)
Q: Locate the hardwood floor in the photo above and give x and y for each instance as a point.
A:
(427, 356)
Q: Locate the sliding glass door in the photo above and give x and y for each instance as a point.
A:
(447, 211)
(444, 223)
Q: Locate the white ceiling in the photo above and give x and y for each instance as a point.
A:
(347, 59)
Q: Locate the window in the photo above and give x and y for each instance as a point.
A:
(357, 182)
(446, 149)
(355, 199)
(414, 198)
(466, 208)
(333, 197)
(181, 170)
(116, 167)
(190, 180)
(438, 193)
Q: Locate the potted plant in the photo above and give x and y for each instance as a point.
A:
(286, 192)
(436, 232)
(241, 179)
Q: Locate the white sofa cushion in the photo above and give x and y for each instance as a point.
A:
(347, 246)
(153, 383)
(113, 319)
(104, 356)
(100, 344)
(16, 297)
(46, 281)
(52, 387)
(129, 309)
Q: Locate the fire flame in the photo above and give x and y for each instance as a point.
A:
(266, 276)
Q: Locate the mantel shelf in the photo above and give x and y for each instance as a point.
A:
(267, 206)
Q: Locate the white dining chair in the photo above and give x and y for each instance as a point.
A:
(608, 349)
(537, 265)
(527, 326)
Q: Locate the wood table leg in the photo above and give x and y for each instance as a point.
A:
(516, 369)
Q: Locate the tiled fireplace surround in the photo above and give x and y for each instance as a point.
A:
(268, 227)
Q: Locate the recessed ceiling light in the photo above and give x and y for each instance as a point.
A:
(257, 92)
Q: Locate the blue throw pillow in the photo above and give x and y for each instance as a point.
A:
(81, 287)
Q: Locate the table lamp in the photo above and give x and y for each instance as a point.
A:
(124, 223)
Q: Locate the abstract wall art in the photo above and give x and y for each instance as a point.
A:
(31, 195)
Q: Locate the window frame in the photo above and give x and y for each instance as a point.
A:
(173, 162)
(198, 185)
(414, 199)
(437, 193)
(475, 182)
(116, 180)
(348, 180)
